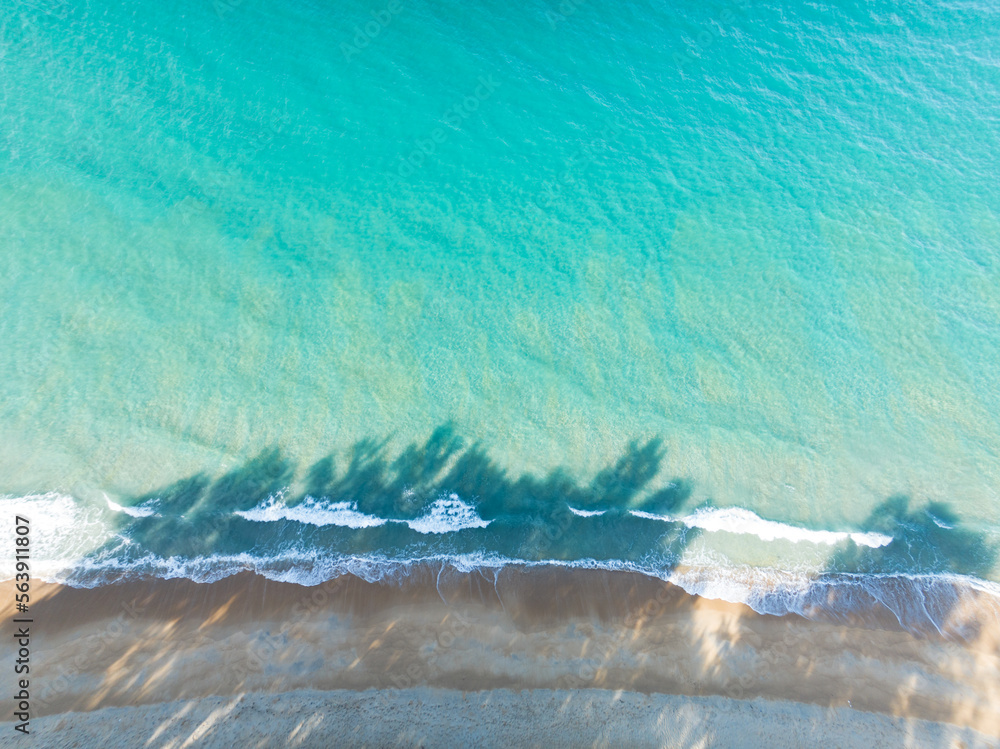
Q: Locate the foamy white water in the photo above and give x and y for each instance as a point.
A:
(62, 531)
(141, 511)
(313, 512)
(741, 521)
(448, 514)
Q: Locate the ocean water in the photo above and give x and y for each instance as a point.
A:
(707, 290)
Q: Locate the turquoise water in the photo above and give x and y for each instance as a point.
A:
(732, 266)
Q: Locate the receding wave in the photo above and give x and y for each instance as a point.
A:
(920, 603)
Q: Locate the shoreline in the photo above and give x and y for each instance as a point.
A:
(949, 604)
(144, 643)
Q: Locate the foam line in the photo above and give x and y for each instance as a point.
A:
(740, 520)
(313, 512)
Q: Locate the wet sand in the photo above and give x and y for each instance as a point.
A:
(487, 657)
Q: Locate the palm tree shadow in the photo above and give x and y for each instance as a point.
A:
(925, 540)
(912, 576)
(555, 516)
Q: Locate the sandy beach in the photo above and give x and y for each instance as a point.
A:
(619, 658)
(495, 718)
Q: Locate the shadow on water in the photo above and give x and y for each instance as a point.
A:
(591, 635)
(910, 580)
(554, 516)
(191, 515)
(530, 516)
(445, 464)
(925, 540)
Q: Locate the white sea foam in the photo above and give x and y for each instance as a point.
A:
(60, 528)
(141, 511)
(653, 516)
(586, 513)
(312, 511)
(448, 514)
(740, 520)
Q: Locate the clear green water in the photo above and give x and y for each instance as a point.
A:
(766, 235)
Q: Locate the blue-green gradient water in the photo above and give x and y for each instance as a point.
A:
(694, 288)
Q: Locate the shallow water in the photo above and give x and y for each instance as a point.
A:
(325, 282)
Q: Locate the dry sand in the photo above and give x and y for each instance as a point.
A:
(548, 657)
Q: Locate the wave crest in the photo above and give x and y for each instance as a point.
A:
(743, 521)
(313, 512)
